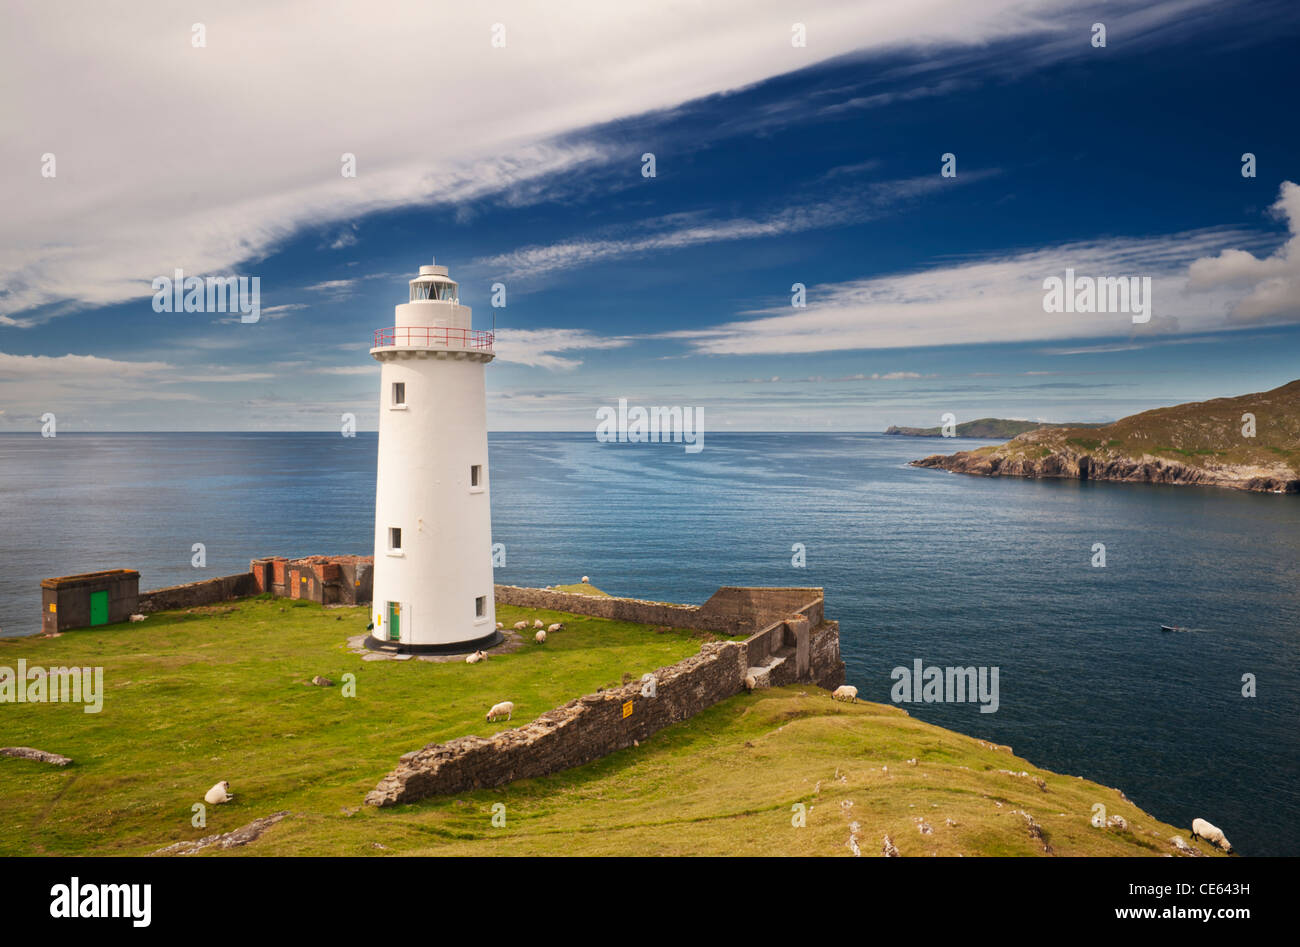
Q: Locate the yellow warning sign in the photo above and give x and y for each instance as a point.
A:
(53, 607)
(627, 709)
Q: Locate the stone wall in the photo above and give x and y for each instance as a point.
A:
(801, 646)
(207, 592)
(582, 730)
(731, 610)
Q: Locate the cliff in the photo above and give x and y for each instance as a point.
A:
(1206, 443)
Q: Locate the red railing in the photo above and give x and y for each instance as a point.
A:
(438, 336)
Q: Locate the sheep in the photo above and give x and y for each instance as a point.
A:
(500, 626)
(505, 707)
(551, 629)
(537, 623)
(520, 625)
(138, 617)
(585, 580)
(846, 692)
(541, 637)
(218, 794)
(476, 657)
(1211, 833)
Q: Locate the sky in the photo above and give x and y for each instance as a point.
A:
(508, 140)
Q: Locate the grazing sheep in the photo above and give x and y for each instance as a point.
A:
(538, 623)
(500, 626)
(1211, 833)
(551, 629)
(541, 637)
(504, 709)
(846, 692)
(520, 625)
(476, 657)
(218, 794)
(585, 580)
(138, 617)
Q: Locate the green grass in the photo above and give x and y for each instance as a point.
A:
(220, 692)
(580, 588)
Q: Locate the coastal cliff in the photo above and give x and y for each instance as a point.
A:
(1250, 442)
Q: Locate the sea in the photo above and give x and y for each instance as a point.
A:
(917, 564)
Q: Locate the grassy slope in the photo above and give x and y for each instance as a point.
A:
(1198, 434)
(193, 698)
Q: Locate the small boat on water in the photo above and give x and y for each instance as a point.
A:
(1173, 628)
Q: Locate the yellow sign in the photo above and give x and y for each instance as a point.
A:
(53, 607)
(627, 709)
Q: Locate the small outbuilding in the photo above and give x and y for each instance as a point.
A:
(89, 599)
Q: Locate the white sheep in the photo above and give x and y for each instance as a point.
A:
(846, 692)
(500, 626)
(506, 708)
(520, 625)
(138, 617)
(476, 657)
(538, 623)
(585, 580)
(551, 629)
(1211, 833)
(541, 637)
(218, 794)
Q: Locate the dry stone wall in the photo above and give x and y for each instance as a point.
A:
(582, 730)
(800, 647)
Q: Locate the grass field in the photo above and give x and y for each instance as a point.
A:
(222, 693)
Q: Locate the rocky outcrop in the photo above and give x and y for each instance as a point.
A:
(239, 837)
(1250, 442)
(39, 756)
(1070, 465)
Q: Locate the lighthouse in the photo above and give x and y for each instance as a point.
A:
(433, 589)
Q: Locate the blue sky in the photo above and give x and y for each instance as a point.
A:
(819, 166)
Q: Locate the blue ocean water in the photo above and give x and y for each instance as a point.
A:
(950, 569)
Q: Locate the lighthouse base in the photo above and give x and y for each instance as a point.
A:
(456, 647)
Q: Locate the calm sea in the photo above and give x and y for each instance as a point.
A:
(950, 569)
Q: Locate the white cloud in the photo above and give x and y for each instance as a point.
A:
(207, 159)
(538, 347)
(689, 229)
(994, 300)
(1273, 281)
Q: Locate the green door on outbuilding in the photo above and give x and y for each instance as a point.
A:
(99, 608)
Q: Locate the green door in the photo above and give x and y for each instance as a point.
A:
(394, 621)
(99, 608)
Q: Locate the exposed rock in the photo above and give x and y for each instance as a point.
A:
(235, 839)
(322, 681)
(1035, 831)
(1184, 848)
(889, 849)
(1117, 822)
(40, 756)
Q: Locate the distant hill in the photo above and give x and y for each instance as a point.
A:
(983, 427)
(1202, 442)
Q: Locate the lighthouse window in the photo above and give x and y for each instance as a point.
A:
(480, 606)
(399, 392)
(394, 537)
(476, 475)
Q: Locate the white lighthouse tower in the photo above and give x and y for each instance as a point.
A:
(433, 588)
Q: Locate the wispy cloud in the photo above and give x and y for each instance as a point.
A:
(539, 347)
(849, 207)
(998, 299)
